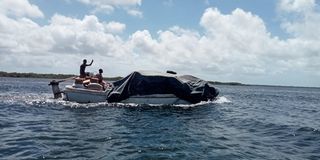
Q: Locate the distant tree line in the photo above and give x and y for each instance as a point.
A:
(64, 76)
(34, 75)
(226, 83)
(48, 76)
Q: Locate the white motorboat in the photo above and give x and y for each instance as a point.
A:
(81, 91)
(83, 95)
(140, 88)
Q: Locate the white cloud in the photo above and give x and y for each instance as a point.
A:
(23, 42)
(108, 6)
(301, 19)
(305, 21)
(21, 35)
(115, 27)
(235, 46)
(86, 36)
(113, 2)
(297, 5)
(20, 8)
(135, 13)
(107, 9)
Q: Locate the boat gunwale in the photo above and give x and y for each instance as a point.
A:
(83, 90)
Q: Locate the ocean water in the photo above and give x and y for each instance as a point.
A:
(245, 122)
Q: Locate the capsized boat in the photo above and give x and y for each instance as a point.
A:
(161, 88)
(142, 87)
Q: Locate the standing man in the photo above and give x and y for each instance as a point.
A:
(83, 68)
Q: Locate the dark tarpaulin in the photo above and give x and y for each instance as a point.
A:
(185, 87)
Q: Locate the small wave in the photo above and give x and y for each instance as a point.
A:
(51, 101)
(130, 105)
(221, 100)
(305, 130)
(60, 102)
(202, 103)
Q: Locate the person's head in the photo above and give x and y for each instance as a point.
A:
(84, 61)
(100, 71)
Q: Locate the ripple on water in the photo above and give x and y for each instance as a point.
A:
(245, 122)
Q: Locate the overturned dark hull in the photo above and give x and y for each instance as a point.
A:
(186, 87)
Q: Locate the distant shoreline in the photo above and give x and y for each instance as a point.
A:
(64, 76)
(46, 76)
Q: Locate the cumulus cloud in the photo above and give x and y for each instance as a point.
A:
(108, 6)
(234, 46)
(22, 41)
(303, 27)
(232, 43)
(297, 5)
(20, 8)
(305, 20)
(86, 36)
(115, 27)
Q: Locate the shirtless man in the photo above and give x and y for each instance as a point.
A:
(100, 79)
(83, 68)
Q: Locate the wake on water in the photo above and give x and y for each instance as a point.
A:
(52, 102)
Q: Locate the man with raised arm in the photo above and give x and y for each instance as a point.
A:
(83, 66)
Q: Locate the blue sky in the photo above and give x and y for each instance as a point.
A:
(160, 15)
(270, 42)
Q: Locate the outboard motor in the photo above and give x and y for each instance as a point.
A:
(55, 89)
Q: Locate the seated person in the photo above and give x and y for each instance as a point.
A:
(100, 78)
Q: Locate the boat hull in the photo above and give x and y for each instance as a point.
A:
(81, 95)
(163, 99)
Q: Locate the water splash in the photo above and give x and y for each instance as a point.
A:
(60, 102)
(46, 101)
(221, 100)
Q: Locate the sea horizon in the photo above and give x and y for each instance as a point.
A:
(114, 78)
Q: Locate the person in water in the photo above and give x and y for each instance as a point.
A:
(83, 66)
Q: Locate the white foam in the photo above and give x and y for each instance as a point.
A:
(221, 100)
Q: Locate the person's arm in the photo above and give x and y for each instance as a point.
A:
(90, 63)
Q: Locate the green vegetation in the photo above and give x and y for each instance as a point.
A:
(112, 78)
(64, 76)
(35, 75)
(225, 83)
(48, 76)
